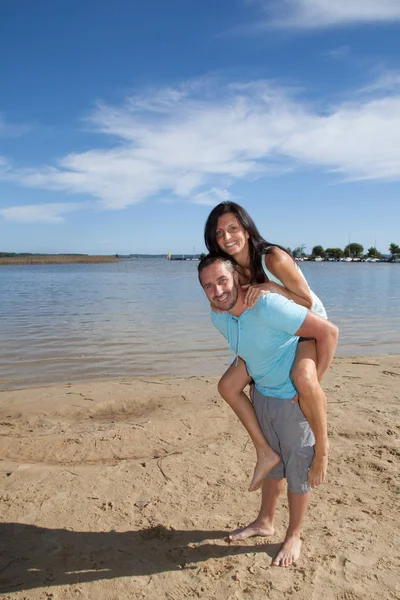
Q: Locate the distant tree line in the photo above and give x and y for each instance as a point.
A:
(352, 250)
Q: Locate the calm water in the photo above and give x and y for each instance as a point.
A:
(64, 323)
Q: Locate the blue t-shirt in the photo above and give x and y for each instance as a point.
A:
(263, 336)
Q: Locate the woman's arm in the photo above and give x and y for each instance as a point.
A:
(283, 267)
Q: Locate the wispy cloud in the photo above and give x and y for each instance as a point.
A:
(340, 52)
(327, 13)
(40, 213)
(11, 129)
(195, 141)
(213, 196)
(386, 81)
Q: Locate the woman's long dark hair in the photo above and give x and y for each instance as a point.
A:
(257, 245)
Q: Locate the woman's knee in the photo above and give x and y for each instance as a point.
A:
(305, 377)
(223, 386)
(228, 387)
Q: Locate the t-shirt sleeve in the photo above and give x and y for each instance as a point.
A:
(283, 314)
(219, 321)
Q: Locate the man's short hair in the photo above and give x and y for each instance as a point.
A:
(212, 258)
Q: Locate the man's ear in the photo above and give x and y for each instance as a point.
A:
(235, 276)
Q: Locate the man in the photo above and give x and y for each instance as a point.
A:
(266, 338)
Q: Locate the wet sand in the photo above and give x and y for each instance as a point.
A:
(128, 489)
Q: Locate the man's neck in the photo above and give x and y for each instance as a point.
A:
(239, 307)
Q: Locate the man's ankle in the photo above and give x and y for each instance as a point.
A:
(293, 533)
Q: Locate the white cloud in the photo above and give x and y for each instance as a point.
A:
(359, 140)
(40, 213)
(213, 196)
(322, 13)
(171, 143)
(197, 140)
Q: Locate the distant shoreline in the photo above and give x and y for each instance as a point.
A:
(55, 259)
(58, 259)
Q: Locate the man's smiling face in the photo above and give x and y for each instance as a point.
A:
(220, 285)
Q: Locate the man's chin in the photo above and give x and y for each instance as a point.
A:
(224, 308)
(218, 307)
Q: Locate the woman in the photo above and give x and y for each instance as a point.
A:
(263, 268)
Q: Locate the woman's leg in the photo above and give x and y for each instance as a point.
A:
(231, 386)
(313, 404)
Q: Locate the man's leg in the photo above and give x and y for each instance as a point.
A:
(313, 404)
(297, 452)
(290, 550)
(264, 523)
(231, 386)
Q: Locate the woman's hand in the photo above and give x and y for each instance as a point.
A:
(215, 309)
(253, 292)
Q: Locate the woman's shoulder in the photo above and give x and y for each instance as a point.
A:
(275, 256)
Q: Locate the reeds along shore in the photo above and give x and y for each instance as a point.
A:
(55, 259)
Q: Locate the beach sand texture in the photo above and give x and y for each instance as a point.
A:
(127, 489)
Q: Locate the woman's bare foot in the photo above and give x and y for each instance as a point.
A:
(317, 472)
(289, 552)
(251, 530)
(266, 461)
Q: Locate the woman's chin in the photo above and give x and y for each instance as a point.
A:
(230, 251)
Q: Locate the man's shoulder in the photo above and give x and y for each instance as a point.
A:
(278, 306)
(218, 317)
(271, 299)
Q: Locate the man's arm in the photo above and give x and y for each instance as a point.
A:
(326, 336)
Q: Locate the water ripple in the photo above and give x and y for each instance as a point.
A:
(73, 322)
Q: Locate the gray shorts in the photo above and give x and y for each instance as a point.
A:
(288, 433)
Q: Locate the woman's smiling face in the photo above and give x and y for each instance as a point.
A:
(231, 236)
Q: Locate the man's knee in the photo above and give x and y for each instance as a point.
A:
(305, 377)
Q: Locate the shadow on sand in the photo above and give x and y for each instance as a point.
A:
(32, 557)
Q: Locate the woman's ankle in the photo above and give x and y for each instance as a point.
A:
(264, 450)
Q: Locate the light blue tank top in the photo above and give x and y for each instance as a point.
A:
(317, 305)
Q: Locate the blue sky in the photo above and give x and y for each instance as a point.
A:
(123, 123)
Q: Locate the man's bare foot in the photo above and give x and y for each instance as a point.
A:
(289, 552)
(317, 472)
(251, 530)
(265, 463)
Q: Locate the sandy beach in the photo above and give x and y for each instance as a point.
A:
(128, 489)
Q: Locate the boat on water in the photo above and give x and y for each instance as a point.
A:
(183, 257)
